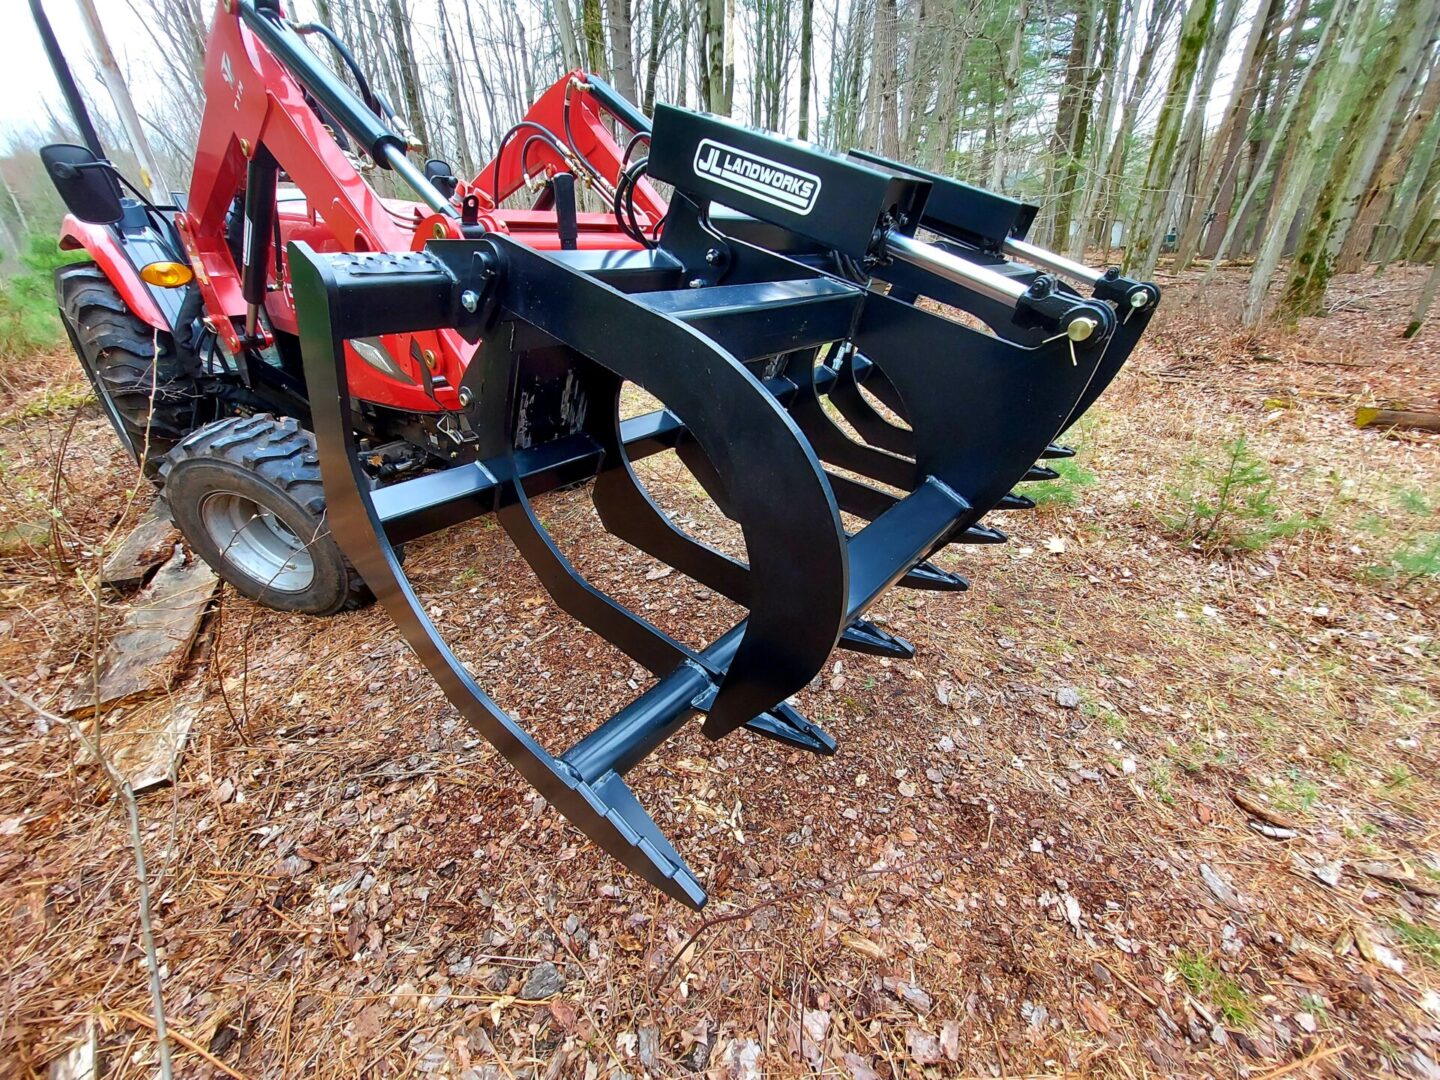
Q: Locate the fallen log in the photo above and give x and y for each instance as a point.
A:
(1420, 419)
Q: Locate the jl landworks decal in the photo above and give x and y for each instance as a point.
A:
(756, 176)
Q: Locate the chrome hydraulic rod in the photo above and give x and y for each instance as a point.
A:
(1048, 260)
(971, 275)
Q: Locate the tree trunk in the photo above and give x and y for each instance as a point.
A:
(409, 71)
(1422, 304)
(1192, 136)
(1010, 78)
(1381, 189)
(659, 16)
(1296, 109)
(1114, 170)
(1354, 25)
(1225, 154)
(1403, 210)
(466, 164)
(565, 23)
(622, 53)
(592, 28)
(1063, 140)
(807, 50)
(1354, 160)
(1105, 118)
(712, 74)
(1148, 222)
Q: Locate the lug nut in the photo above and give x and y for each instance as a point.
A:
(1081, 329)
(470, 300)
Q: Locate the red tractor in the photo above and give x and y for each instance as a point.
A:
(314, 374)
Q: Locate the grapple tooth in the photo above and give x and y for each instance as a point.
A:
(1015, 502)
(927, 575)
(863, 636)
(1056, 450)
(784, 724)
(1040, 472)
(980, 534)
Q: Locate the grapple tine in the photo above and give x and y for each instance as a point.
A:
(606, 814)
(844, 391)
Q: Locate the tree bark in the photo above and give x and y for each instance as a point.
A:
(1010, 77)
(1114, 169)
(565, 24)
(659, 17)
(1148, 222)
(1220, 170)
(807, 50)
(1354, 23)
(1354, 160)
(592, 28)
(622, 53)
(409, 71)
(1064, 144)
(1381, 189)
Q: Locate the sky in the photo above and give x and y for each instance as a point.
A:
(27, 85)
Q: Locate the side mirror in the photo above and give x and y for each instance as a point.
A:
(86, 183)
(440, 173)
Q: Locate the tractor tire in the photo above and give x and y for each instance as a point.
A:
(246, 494)
(140, 378)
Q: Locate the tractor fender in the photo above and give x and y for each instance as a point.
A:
(102, 245)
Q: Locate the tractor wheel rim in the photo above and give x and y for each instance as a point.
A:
(254, 540)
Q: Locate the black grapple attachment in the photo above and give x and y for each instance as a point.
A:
(748, 323)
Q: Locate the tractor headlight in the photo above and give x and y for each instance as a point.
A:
(373, 352)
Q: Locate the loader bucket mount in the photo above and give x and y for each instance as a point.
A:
(743, 343)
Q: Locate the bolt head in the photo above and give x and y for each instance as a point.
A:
(466, 397)
(712, 256)
(470, 300)
(696, 283)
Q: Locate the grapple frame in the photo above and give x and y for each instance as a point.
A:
(744, 323)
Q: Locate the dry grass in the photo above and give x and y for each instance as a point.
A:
(347, 882)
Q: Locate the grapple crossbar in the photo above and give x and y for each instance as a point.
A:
(755, 326)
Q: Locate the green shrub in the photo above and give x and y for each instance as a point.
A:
(1415, 555)
(1229, 504)
(1205, 980)
(28, 319)
(1064, 491)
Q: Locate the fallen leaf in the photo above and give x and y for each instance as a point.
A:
(860, 1067)
(909, 993)
(563, 1013)
(1095, 1015)
(950, 1040)
(923, 1048)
